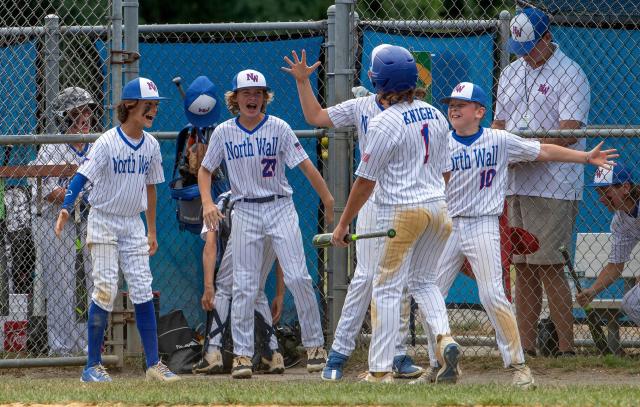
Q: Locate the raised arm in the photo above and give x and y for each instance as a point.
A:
(314, 114)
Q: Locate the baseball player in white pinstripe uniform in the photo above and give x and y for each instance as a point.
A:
(355, 112)
(620, 194)
(220, 297)
(256, 147)
(55, 258)
(123, 165)
(406, 155)
(475, 197)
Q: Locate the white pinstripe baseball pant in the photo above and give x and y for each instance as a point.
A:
(411, 258)
(360, 288)
(224, 287)
(478, 239)
(253, 223)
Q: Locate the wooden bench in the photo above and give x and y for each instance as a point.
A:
(592, 254)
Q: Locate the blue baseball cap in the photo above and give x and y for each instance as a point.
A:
(616, 176)
(249, 78)
(527, 28)
(141, 89)
(469, 92)
(201, 105)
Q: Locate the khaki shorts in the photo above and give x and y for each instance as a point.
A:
(550, 220)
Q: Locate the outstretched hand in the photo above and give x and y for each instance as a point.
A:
(298, 68)
(602, 158)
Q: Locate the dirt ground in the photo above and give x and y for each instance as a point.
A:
(470, 375)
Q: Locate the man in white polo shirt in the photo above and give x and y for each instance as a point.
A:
(543, 90)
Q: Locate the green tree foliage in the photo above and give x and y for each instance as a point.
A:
(26, 13)
(212, 11)
(431, 9)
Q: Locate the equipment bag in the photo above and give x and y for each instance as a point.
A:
(191, 146)
(177, 343)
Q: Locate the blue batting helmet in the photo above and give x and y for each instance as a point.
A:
(393, 69)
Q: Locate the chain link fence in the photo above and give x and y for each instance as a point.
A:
(467, 41)
(45, 281)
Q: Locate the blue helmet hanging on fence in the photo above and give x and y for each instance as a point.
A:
(393, 69)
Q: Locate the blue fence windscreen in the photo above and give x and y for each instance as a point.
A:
(177, 268)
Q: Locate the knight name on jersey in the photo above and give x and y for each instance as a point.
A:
(131, 165)
(483, 157)
(418, 114)
(264, 146)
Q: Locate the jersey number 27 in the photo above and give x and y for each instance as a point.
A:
(269, 168)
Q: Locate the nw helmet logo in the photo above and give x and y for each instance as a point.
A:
(152, 86)
(599, 173)
(203, 109)
(252, 77)
(517, 31)
(459, 88)
(544, 89)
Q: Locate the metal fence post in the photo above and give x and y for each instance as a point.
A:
(115, 60)
(340, 162)
(503, 29)
(132, 69)
(51, 68)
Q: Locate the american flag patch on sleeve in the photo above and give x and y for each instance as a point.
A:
(365, 157)
(297, 145)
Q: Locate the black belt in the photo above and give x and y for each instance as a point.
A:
(263, 199)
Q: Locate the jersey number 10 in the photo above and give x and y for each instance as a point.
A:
(486, 178)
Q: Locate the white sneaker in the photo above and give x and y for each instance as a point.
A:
(522, 376)
(211, 363)
(316, 359)
(275, 365)
(161, 372)
(429, 376)
(386, 378)
(242, 368)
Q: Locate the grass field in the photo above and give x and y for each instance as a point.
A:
(315, 393)
(581, 381)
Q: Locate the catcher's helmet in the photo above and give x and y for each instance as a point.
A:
(393, 69)
(71, 98)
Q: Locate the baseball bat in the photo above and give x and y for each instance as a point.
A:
(178, 82)
(593, 320)
(324, 239)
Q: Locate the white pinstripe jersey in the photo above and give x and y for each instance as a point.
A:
(480, 163)
(406, 153)
(356, 112)
(255, 159)
(625, 234)
(120, 169)
(53, 154)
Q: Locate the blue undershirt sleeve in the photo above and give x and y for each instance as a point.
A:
(73, 190)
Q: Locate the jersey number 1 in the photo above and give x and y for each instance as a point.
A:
(425, 135)
(486, 178)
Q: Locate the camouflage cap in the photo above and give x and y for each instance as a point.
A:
(71, 98)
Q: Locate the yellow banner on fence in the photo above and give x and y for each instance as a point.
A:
(423, 60)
